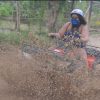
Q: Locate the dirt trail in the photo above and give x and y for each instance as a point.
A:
(6, 92)
(94, 40)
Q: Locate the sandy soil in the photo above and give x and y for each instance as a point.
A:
(8, 56)
(94, 40)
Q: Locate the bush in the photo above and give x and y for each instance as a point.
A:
(5, 9)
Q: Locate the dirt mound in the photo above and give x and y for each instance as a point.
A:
(44, 77)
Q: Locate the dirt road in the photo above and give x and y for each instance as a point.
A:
(7, 59)
(94, 40)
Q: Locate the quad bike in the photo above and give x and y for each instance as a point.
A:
(93, 55)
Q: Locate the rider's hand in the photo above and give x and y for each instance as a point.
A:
(56, 35)
(51, 35)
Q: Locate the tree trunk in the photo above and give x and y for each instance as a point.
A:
(90, 10)
(53, 12)
(88, 13)
(17, 23)
(72, 4)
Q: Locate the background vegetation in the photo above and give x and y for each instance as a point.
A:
(39, 17)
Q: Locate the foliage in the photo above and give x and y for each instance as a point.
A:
(13, 37)
(5, 9)
(82, 5)
(26, 8)
(35, 13)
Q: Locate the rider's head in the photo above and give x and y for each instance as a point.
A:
(79, 15)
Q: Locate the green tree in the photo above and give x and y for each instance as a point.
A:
(6, 9)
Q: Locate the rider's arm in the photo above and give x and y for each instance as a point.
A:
(63, 29)
(85, 34)
(61, 32)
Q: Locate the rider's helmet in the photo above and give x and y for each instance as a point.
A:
(80, 14)
(77, 11)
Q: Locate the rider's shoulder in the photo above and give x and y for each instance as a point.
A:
(67, 24)
(85, 27)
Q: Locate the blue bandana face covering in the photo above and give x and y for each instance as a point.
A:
(75, 23)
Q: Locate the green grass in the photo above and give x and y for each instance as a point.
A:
(15, 38)
(12, 37)
(7, 24)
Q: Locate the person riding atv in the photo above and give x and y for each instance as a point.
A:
(75, 35)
